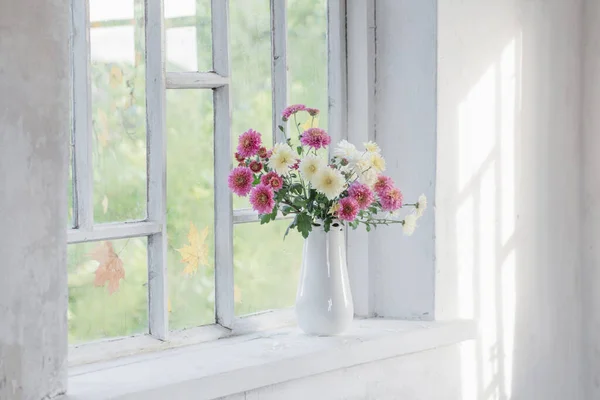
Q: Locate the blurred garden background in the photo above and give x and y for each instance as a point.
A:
(266, 266)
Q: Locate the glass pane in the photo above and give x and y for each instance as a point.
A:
(250, 72)
(119, 123)
(107, 289)
(188, 35)
(110, 10)
(266, 266)
(180, 8)
(307, 55)
(190, 207)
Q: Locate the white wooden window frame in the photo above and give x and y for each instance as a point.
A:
(157, 82)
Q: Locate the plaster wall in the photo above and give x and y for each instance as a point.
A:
(34, 130)
(508, 192)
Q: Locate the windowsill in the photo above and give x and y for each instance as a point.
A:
(233, 365)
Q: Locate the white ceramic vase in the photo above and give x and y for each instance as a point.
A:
(324, 301)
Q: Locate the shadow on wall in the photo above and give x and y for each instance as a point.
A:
(508, 194)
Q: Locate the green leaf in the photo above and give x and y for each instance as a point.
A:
(265, 219)
(327, 225)
(299, 150)
(296, 188)
(281, 128)
(299, 203)
(304, 223)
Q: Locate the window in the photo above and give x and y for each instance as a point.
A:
(156, 242)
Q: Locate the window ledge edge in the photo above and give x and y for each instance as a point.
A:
(240, 364)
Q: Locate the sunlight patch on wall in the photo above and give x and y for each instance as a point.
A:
(508, 319)
(465, 258)
(477, 126)
(508, 107)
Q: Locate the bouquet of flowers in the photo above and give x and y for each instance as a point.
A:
(320, 187)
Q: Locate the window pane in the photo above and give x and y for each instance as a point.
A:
(266, 266)
(107, 10)
(250, 72)
(190, 207)
(180, 8)
(188, 35)
(307, 54)
(119, 127)
(107, 289)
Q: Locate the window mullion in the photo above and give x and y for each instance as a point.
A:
(336, 69)
(195, 80)
(83, 178)
(224, 301)
(278, 64)
(157, 168)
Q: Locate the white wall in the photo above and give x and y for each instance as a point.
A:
(508, 191)
(405, 128)
(591, 197)
(34, 129)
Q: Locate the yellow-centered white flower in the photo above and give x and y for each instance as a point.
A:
(421, 206)
(376, 161)
(282, 159)
(368, 177)
(372, 147)
(330, 182)
(348, 151)
(409, 225)
(310, 165)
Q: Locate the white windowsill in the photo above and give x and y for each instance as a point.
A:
(237, 364)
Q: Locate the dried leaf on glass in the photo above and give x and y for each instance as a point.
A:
(110, 268)
(195, 253)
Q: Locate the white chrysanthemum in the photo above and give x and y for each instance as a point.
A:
(376, 161)
(368, 177)
(348, 151)
(330, 182)
(372, 147)
(282, 158)
(310, 165)
(421, 206)
(362, 164)
(410, 224)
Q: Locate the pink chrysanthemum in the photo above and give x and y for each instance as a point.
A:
(348, 209)
(273, 180)
(383, 185)
(261, 199)
(240, 180)
(315, 138)
(291, 110)
(262, 152)
(391, 200)
(255, 166)
(312, 111)
(362, 194)
(239, 158)
(249, 143)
